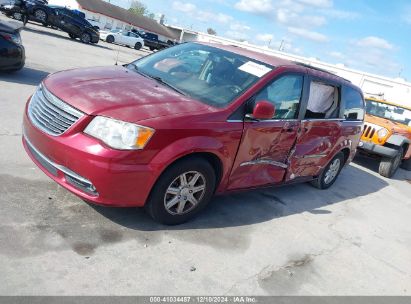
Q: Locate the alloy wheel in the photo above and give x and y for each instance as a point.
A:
(185, 193)
(40, 15)
(332, 171)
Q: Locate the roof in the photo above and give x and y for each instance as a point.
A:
(389, 102)
(277, 61)
(268, 59)
(116, 12)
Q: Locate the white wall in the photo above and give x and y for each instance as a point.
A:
(67, 3)
(396, 90)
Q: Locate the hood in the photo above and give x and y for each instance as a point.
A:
(394, 127)
(10, 26)
(119, 93)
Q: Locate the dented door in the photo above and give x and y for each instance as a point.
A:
(263, 153)
(316, 141)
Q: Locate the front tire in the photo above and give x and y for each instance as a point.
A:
(85, 38)
(182, 191)
(388, 166)
(138, 46)
(406, 164)
(329, 175)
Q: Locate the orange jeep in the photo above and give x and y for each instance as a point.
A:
(387, 135)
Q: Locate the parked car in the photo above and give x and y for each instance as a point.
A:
(127, 38)
(17, 9)
(12, 53)
(387, 135)
(154, 133)
(66, 20)
(152, 42)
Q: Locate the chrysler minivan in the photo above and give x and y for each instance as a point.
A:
(170, 130)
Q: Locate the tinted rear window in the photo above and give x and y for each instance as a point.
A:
(354, 104)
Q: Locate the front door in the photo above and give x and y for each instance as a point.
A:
(262, 158)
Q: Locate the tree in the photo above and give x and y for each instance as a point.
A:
(211, 31)
(138, 8)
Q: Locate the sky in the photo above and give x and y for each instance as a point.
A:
(368, 35)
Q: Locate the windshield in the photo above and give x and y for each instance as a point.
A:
(210, 75)
(391, 112)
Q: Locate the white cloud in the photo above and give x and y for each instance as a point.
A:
(374, 42)
(201, 15)
(236, 35)
(265, 37)
(318, 3)
(254, 6)
(185, 7)
(307, 34)
(337, 55)
(340, 14)
(236, 26)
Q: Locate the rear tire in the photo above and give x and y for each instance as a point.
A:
(72, 36)
(152, 48)
(18, 16)
(175, 199)
(110, 39)
(388, 166)
(406, 164)
(138, 46)
(330, 173)
(41, 16)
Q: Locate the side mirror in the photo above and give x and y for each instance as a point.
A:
(263, 110)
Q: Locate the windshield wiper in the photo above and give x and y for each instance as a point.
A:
(157, 78)
(161, 80)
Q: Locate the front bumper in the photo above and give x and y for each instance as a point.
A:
(88, 169)
(377, 149)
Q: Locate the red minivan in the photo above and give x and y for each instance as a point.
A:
(171, 129)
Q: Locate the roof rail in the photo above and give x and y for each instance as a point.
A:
(318, 69)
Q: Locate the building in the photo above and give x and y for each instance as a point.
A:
(108, 16)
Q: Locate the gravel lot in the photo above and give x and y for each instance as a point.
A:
(353, 239)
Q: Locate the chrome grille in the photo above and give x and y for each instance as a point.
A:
(50, 114)
(369, 131)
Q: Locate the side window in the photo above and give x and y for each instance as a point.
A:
(354, 105)
(323, 101)
(285, 94)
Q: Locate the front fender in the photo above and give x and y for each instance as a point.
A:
(397, 140)
(191, 145)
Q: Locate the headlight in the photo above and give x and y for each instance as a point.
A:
(382, 133)
(119, 134)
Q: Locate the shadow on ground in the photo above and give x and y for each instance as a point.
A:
(374, 163)
(252, 207)
(46, 217)
(24, 76)
(57, 34)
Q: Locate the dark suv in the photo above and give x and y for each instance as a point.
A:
(66, 20)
